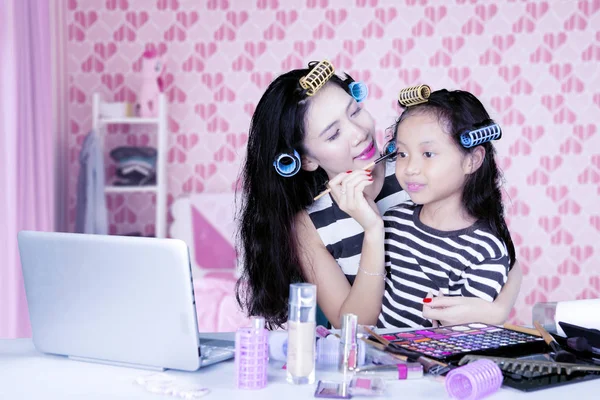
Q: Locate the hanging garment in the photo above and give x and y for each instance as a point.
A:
(91, 202)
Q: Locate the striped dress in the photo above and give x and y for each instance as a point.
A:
(341, 234)
(469, 262)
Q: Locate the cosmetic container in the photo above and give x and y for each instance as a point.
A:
(327, 349)
(398, 371)
(302, 314)
(576, 312)
(348, 343)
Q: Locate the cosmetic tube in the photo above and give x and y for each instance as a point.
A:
(278, 342)
(393, 372)
(327, 349)
(302, 314)
(348, 343)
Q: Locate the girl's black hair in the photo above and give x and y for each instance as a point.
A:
(270, 203)
(456, 112)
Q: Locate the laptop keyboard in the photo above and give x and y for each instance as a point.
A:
(212, 352)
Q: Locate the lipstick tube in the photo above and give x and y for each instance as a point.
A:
(349, 343)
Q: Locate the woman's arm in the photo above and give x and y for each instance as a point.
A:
(458, 310)
(335, 295)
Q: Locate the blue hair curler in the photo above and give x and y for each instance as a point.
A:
(358, 90)
(287, 163)
(475, 137)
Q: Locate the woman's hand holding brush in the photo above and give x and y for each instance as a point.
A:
(389, 151)
(347, 189)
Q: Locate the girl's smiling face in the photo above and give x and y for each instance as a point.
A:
(430, 166)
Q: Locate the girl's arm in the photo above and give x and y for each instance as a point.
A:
(459, 310)
(335, 295)
(503, 304)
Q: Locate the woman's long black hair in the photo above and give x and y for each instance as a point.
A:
(270, 203)
(456, 112)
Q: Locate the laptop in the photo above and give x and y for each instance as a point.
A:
(119, 300)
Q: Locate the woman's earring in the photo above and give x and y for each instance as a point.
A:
(287, 163)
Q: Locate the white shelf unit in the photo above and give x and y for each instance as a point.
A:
(160, 189)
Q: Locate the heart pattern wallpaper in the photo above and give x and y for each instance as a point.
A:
(534, 65)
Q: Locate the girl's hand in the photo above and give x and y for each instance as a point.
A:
(347, 189)
(427, 300)
(459, 310)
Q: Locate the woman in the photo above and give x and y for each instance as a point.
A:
(335, 242)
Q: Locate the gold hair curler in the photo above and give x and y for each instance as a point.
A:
(317, 77)
(414, 95)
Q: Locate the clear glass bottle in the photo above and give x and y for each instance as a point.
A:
(545, 314)
(302, 318)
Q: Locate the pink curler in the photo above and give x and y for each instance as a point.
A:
(474, 381)
(252, 355)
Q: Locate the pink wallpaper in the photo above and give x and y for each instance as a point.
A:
(533, 63)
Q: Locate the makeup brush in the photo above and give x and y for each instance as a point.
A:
(389, 151)
(522, 329)
(560, 355)
(582, 345)
(583, 350)
(430, 366)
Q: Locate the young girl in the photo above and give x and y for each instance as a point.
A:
(337, 241)
(452, 239)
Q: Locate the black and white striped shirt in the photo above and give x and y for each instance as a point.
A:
(469, 262)
(341, 234)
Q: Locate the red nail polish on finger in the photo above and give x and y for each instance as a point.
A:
(348, 172)
(427, 300)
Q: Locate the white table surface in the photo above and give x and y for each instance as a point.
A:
(26, 373)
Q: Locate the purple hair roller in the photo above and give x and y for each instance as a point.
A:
(474, 380)
(252, 355)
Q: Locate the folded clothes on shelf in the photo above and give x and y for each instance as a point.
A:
(124, 152)
(136, 166)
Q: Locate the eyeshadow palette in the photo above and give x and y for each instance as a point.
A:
(451, 343)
